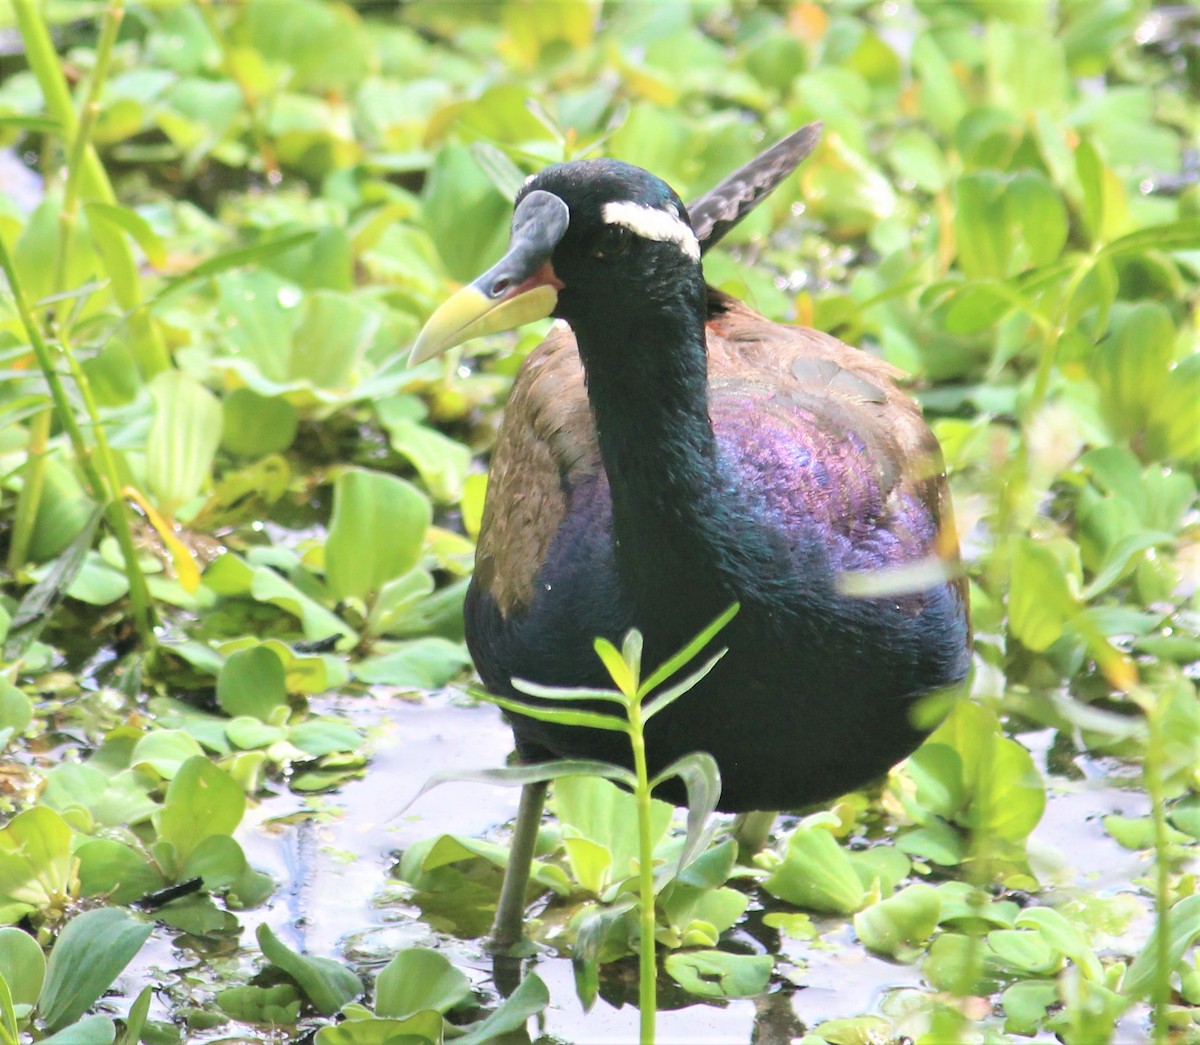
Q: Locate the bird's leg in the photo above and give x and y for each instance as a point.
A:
(508, 927)
(751, 831)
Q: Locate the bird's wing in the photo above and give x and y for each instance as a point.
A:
(545, 445)
(718, 210)
(856, 452)
(781, 396)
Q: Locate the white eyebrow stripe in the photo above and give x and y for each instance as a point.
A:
(652, 223)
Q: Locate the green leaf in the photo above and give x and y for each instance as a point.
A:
(135, 1022)
(1025, 1004)
(201, 800)
(519, 776)
(465, 215)
(327, 984)
(334, 334)
(948, 966)
(277, 1005)
(165, 751)
(442, 463)
(1183, 930)
(1063, 937)
(425, 663)
(251, 682)
(596, 810)
(95, 1030)
(317, 623)
(119, 872)
(16, 710)
(702, 778)
(1040, 601)
(665, 697)
(22, 965)
(854, 1030)
(122, 219)
(35, 862)
(616, 667)
(1028, 953)
(816, 873)
(937, 841)
(417, 979)
(234, 259)
(719, 974)
(563, 716)
(981, 232)
(182, 442)
(1119, 557)
(376, 533)
(1178, 235)
(893, 927)
(937, 770)
(688, 653)
(218, 860)
(255, 425)
(1131, 365)
(88, 956)
(530, 998)
(1173, 428)
(325, 736)
(425, 1028)
(564, 693)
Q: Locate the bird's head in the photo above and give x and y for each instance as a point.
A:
(586, 236)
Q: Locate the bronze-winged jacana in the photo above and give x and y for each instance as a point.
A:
(668, 452)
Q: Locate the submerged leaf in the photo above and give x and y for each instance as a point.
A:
(719, 974)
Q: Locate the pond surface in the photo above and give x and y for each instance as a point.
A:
(332, 856)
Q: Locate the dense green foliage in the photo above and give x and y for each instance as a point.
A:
(225, 500)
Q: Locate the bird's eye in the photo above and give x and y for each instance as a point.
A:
(613, 241)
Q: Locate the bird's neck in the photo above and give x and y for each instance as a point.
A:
(648, 387)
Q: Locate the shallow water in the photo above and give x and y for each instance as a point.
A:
(331, 856)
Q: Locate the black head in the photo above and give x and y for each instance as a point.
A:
(626, 229)
(590, 239)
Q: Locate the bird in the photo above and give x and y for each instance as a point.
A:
(667, 452)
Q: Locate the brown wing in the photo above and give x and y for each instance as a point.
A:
(547, 441)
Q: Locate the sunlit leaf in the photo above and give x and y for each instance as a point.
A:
(417, 979)
(182, 441)
(376, 533)
(251, 682)
(816, 873)
(201, 800)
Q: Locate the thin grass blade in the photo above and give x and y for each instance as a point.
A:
(519, 776)
(671, 694)
(563, 716)
(536, 689)
(688, 653)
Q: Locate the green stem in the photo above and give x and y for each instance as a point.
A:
(33, 481)
(105, 492)
(1053, 338)
(647, 959)
(1152, 774)
(80, 143)
(119, 261)
(248, 91)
